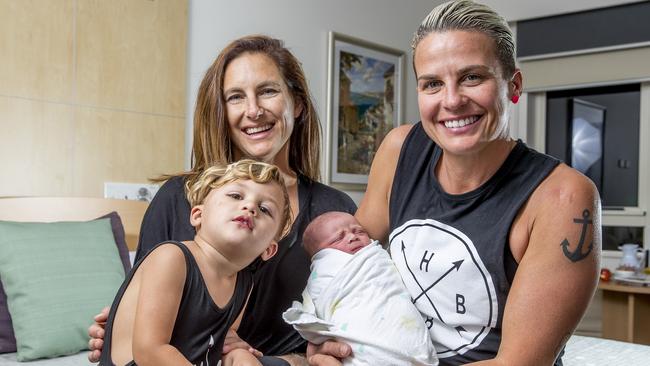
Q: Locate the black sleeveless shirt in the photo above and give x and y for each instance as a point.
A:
(278, 282)
(281, 280)
(453, 251)
(201, 326)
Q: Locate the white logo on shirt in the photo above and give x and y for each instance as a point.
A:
(448, 283)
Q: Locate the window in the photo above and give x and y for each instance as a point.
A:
(613, 236)
(596, 131)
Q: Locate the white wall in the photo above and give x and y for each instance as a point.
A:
(303, 25)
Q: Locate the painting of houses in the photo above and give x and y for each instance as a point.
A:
(366, 109)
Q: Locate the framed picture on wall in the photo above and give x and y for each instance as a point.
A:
(364, 103)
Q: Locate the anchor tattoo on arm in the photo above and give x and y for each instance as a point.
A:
(578, 254)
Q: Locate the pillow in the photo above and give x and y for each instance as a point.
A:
(7, 338)
(120, 239)
(56, 276)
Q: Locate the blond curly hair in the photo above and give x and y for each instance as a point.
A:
(219, 175)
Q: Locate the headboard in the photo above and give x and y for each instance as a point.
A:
(49, 209)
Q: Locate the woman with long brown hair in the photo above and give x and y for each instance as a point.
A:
(253, 102)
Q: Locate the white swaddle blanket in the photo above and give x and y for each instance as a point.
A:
(360, 299)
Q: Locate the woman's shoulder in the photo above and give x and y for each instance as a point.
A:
(566, 185)
(170, 194)
(563, 191)
(173, 186)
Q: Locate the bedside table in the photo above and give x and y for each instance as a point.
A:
(626, 312)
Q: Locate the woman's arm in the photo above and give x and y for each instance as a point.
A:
(373, 211)
(162, 279)
(240, 357)
(557, 274)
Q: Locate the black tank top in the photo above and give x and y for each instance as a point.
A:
(281, 280)
(453, 251)
(277, 283)
(201, 326)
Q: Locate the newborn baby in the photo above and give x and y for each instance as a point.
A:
(355, 295)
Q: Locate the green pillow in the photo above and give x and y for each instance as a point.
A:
(57, 276)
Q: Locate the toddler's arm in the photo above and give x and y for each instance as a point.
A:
(161, 288)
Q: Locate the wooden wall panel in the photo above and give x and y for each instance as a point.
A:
(36, 44)
(124, 147)
(91, 91)
(35, 148)
(131, 55)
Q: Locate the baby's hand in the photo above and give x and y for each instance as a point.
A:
(240, 357)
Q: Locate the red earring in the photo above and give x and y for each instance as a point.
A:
(515, 98)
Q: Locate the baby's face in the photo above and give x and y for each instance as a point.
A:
(344, 233)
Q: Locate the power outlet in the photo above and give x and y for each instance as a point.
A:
(130, 191)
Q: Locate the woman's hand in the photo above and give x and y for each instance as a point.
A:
(96, 333)
(330, 353)
(239, 357)
(233, 342)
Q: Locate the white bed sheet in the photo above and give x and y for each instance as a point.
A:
(580, 351)
(590, 351)
(81, 358)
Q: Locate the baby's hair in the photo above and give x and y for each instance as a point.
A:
(309, 241)
(219, 175)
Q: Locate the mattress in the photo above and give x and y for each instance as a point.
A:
(81, 358)
(580, 351)
(590, 351)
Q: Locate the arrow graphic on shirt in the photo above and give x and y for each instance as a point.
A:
(419, 285)
(455, 266)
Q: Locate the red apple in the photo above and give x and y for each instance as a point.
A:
(605, 274)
